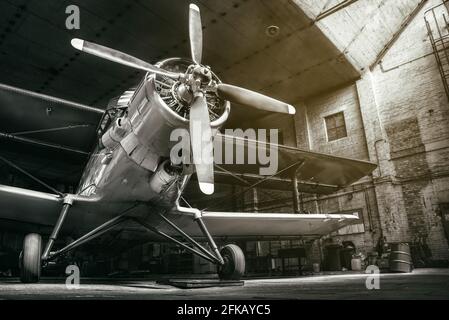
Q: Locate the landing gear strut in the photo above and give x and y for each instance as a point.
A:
(31, 258)
(230, 260)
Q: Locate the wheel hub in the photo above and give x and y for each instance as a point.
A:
(227, 266)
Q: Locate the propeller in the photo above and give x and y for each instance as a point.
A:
(200, 130)
(198, 76)
(119, 57)
(195, 33)
(201, 142)
(253, 99)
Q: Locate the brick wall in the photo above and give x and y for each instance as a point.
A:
(344, 100)
(414, 111)
(397, 115)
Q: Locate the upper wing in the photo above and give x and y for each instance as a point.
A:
(48, 136)
(318, 173)
(24, 111)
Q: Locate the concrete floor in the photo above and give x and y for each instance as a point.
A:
(421, 284)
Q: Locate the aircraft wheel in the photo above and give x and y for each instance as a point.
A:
(234, 263)
(30, 258)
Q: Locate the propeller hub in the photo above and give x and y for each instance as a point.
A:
(203, 74)
(184, 94)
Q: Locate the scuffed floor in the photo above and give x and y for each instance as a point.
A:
(421, 284)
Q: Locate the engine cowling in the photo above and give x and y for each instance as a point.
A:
(112, 137)
(155, 110)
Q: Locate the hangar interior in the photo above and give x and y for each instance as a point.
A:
(368, 79)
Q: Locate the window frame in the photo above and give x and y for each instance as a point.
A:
(327, 129)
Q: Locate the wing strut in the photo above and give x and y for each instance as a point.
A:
(29, 175)
(196, 247)
(297, 164)
(232, 174)
(21, 139)
(98, 231)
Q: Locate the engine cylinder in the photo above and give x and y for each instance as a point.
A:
(163, 179)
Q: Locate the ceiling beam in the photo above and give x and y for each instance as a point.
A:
(334, 9)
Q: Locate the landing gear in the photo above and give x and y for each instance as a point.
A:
(30, 258)
(230, 259)
(234, 263)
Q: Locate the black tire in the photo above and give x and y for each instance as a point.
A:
(234, 266)
(30, 258)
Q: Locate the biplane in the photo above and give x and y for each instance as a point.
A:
(130, 181)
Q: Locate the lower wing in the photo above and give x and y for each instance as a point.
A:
(244, 225)
(43, 208)
(237, 224)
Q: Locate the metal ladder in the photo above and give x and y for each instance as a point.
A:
(437, 19)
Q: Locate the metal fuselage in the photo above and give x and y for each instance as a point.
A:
(131, 162)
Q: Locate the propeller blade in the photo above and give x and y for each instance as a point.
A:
(201, 141)
(253, 99)
(195, 33)
(119, 57)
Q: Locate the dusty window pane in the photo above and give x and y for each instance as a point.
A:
(330, 123)
(335, 126)
(339, 120)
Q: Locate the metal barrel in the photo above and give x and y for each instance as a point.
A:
(400, 258)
